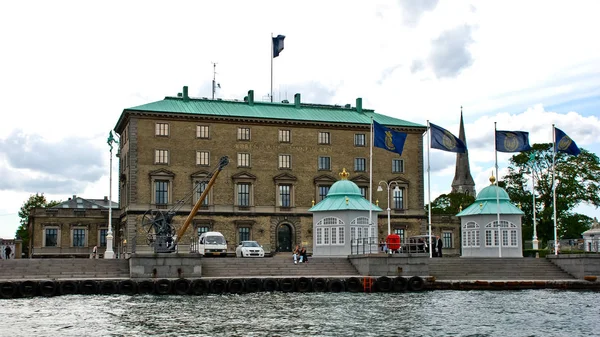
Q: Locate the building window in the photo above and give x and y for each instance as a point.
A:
(244, 233)
(397, 166)
(200, 188)
(202, 131)
(243, 134)
(325, 163)
(243, 197)
(78, 237)
(51, 237)
(447, 240)
(360, 139)
(161, 156)
(284, 136)
(400, 232)
(285, 161)
(102, 236)
(330, 231)
(285, 195)
(398, 198)
(161, 188)
(324, 138)
(323, 190)
(203, 158)
(359, 230)
(360, 164)
(470, 236)
(202, 229)
(162, 129)
(243, 159)
(508, 231)
(364, 191)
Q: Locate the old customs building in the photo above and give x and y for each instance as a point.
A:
(283, 158)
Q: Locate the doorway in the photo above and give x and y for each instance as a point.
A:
(284, 238)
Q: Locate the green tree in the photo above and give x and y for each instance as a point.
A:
(450, 203)
(37, 200)
(577, 182)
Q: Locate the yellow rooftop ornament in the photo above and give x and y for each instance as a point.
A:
(492, 178)
(344, 174)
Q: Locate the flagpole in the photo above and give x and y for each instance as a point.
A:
(272, 46)
(535, 238)
(497, 191)
(554, 187)
(429, 185)
(371, 181)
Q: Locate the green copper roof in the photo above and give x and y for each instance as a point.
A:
(344, 195)
(487, 203)
(268, 110)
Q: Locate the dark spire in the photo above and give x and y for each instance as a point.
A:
(463, 181)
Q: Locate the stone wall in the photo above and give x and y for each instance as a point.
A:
(578, 265)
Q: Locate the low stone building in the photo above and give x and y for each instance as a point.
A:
(591, 238)
(72, 228)
(481, 235)
(342, 221)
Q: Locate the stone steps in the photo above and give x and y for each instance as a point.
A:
(495, 269)
(63, 268)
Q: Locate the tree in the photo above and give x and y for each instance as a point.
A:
(37, 200)
(577, 181)
(450, 203)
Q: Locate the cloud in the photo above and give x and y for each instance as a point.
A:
(416, 66)
(34, 164)
(414, 9)
(449, 52)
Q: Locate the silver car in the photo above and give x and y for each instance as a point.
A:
(249, 249)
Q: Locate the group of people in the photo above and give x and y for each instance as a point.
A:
(300, 255)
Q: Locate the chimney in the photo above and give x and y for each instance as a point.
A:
(185, 94)
(297, 101)
(250, 97)
(105, 198)
(359, 104)
(348, 106)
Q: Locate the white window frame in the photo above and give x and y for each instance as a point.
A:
(161, 156)
(471, 233)
(401, 164)
(203, 158)
(285, 161)
(243, 159)
(243, 133)
(324, 138)
(285, 136)
(330, 232)
(161, 129)
(203, 131)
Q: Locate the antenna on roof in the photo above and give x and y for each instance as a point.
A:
(215, 85)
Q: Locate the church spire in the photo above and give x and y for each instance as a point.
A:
(463, 181)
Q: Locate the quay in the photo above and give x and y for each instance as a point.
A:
(187, 274)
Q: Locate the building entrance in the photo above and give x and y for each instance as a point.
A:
(284, 238)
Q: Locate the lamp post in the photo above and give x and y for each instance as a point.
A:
(396, 189)
(110, 254)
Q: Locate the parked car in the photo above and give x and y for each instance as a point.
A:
(249, 249)
(212, 244)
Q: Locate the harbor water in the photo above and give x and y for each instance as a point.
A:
(430, 313)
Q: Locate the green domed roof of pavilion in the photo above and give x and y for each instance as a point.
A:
(344, 195)
(491, 200)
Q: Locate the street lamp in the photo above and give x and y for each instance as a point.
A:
(396, 189)
(110, 254)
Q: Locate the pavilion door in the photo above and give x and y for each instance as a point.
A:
(284, 238)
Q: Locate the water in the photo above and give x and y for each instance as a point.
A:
(434, 313)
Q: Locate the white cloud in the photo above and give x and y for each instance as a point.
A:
(71, 67)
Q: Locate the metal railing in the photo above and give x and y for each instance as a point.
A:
(370, 246)
(589, 244)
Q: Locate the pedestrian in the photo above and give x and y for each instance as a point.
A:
(296, 254)
(440, 245)
(303, 256)
(95, 252)
(7, 252)
(433, 247)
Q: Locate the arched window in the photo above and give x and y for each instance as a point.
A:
(508, 230)
(470, 234)
(330, 232)
(359, 230)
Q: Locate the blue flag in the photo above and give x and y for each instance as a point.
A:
(512, 141)
(277, 45)
(388, 139)
(564, 143)
(442, 139)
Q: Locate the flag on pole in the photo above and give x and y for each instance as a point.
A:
(388, 139)
(443, 139)
(277, 45)
(512, 141)
(564, 143)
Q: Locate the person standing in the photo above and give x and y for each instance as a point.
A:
(439, 245)
(7, 252)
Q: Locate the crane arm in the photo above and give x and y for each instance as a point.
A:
(222, 163)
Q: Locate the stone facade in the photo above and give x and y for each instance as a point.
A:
(264, 219)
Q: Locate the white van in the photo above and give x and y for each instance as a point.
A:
(212, 244)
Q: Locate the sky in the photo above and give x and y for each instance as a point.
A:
(69, 68)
